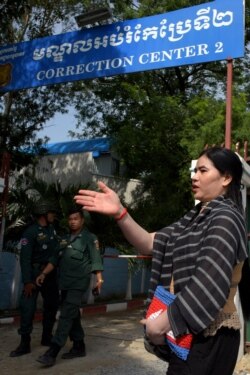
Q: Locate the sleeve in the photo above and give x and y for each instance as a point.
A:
(60, 245)
(27, 245)
(95, 256)
(206, 292)
(161, 269)
(54, 259)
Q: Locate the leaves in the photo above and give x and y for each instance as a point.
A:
(159, 120)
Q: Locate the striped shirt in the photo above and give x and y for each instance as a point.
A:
(200, 251)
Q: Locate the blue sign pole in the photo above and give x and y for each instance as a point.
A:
(228, 129)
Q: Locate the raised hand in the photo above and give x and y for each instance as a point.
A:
(105, 201)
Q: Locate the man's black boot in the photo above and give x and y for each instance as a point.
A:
(48, 324)
(46, 339)
(23, 347)
(78, 350)
(49, 357)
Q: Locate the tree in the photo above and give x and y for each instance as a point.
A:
(23, 113)
(161, 119)
(150, 115)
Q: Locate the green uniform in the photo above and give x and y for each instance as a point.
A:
(38, 244)
(76, 259)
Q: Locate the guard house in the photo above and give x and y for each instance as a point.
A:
(75, 162)
(82, 162)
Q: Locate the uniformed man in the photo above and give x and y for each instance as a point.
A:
(38, 244)
(77, 258)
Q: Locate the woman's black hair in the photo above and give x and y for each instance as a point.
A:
(227, 163)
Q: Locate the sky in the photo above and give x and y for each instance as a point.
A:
(57, 128)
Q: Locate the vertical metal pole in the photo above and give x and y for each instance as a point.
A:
(143, 277)
(5, 174)
(128, 296)
(229, 103)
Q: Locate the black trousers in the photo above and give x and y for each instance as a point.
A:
(213, 355)
(50, 294)
(69, 323)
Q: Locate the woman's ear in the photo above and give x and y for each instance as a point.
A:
(227, 180)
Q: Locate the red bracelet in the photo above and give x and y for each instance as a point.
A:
(122, 214)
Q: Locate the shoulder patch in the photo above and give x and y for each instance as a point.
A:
(24, 241)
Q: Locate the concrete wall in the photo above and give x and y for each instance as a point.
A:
(115, 275)
(128, 190)
(10, 280)
(72, 169)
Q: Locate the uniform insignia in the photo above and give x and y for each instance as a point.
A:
(41, 236)
(63, 242)
(97, 245)
(24, 241)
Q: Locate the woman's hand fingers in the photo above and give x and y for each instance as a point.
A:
(105, 201)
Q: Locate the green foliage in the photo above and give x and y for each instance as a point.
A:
(23, 113)
(204, 124)
(28, 190)
(19, 215)
(159, 120)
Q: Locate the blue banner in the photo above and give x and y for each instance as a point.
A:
(207, 32)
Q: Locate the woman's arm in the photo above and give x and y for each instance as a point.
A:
(107, 202)
(136, 235)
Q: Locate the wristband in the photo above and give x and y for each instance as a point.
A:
(122, 214)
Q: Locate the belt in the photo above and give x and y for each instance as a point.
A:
(39, 264)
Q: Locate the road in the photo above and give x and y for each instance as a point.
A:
(114, 346)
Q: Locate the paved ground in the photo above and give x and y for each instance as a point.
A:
(114, 346)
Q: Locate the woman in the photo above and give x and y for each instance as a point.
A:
(203, 253)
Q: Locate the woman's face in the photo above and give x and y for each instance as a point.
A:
(207, 182)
